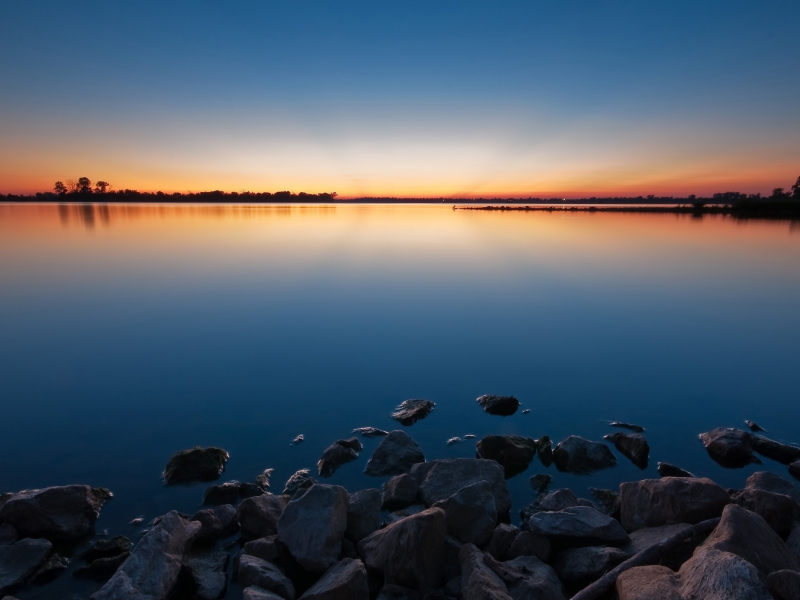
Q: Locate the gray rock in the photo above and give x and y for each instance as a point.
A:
(410, 552)
(578, 455)
(498, 405)
(411, 411)
(258, 516)
(300, 480)
(471, 513)
(656, 502)
(578, 567)
(346, 580)
(20, 561)
(753, 426)
(101, 569)
(52, 568)
(649, 583)
(152, 569)
(254, 571)
(8, 534)
(642, 539)
(440, 479)
(400, 491)
(578, 526)
(396, 454)
(667, 470)
(528, 578)
(632, 445)
(363, 514)
(265, 548)
(223, 493)
(513, 452)
(370, 432)
(57, 513)
(313, 525)
(731, 448)
(262, 480)
(540, 483)
(337, 454)
(783, 453)
(195, 464)
(208, 573)
(478, 581)
(248, 490)
(499, 544)
(256, 593)
(107, 548)
(561, 499)
(770, 482)
(217, 523)
(714, 575)
(399, 515)
(530, 544)
(778, 510)
(784, 585)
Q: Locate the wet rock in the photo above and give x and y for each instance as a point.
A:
(370, 432)
(526, 411)
(346, 580)
(300, 480)
(784, 585)
(410, 552)
(217, 523)
(262, 480)
(411, 411)
(101, 569)
(453, 440)
(753, 426)
(561, 499)
(52, 568)
(731, 448)
(778, 510)
(440, 479)
(631, 426)
(500, 542)
(578, 567)
(258, 516)
(400, 491)
(656, 502)
(57, 513)
(714, 575)
(106, 548)
(528, 578)
(313, 525)
(578, 526)
(609, 501)
(298, 440)
(632, 445)
(256, 593)
(648, 583)
(153, 568)
(770, 482)
(471, 513)
(513, 452)
(254, 571)
(746, 534)
(794, 469)
(20, 561)
(223, 493)
(248, 490)
(478, 581)
(469, 436)
(396, 454)
(399, 515)
(578, 455)
(208, 574)
(642, 539)
(363, 514)
(195, 464)
(545, 448)
(530, 544)
(337, 454)
(783, 453)
(668, 470)
(499, 405)
(540, 482)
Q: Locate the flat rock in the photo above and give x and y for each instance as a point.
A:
(106, 548)
(195, 464)
(399, 491)
(656, 502)
(528, 578)
(223, 493)
(578, 526)
(667, 470)
(778, 510)
(471, 513)
(101, 569)
(478, 581)
(411, 411)
(363, 514)
(300, 480)
(258, 516)
(440, 479)
(513, 452)
(396, 454)
(652, 582)
(20, 561)
(578, 455)
(57, 513)
(218, 522)
(578, 567)
(528, 543)
(715, 575)
(500, 542)
(370, 432)
(729, 447)
(313, 525)
(208, 573)
(410, 552)
(346, 580)
(254, 571)
(784, 585)
(632, 445)
(770, 482)
(783, 453)
(337, 454)
(498, 405)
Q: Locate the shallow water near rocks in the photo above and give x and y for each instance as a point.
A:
(130, 332)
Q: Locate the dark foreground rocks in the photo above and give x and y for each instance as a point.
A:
(396, 454)
(498, 405)
(20, 561)
(579, 526)
(195, 464)
(578, 455)
(440, 479)
(471, 513)
(513, 452)
(411, 411)
(346, 580)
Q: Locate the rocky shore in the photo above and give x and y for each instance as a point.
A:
(435, 529)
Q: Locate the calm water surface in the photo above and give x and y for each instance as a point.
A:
(129, 332)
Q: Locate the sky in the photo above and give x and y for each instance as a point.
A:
(426, 99)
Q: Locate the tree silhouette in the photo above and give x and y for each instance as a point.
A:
(101, 187)
(796, 189)
(59, 188)
(84, 186)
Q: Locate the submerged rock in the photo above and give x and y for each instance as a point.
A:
(498, 405)
(730, 448)
(668, 470)
(753, 426)
(578, 455)
(346, 580)
(20, 561)
(471, 513)
(337, 454)
(632, 445)
(195, 464)
(411, 411)
(396, 454)
(631, 426)
(363, 514)
(370, 431)
(440, 479)
(579, 526)
(513, 452)
(300, 480)
(783, 453)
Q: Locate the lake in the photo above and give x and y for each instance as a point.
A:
(130, 332)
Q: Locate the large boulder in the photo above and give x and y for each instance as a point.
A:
(498, 405)
(20, 561)
(528, 543)
(337, 454)
(608, 500)
(731, 448)
(195, 464)
(8, 534)
(254, 571)
(783, 453)
(499, 544)
(411, 411)
(632, 445)
(363, 514)
(152, 570)
(208, 574)
(770, 482)
(715, 575)
(578, 567)
(561, 499)
(669, 500)
(778, 510)
(218, 522)
(396, 454)
(784, 585)
(652, 582)
(513, 452)
(642, 539)
(528, 578)
(471, 513)
(578, 455)
(410, 552)
(346, 580)
(57, 513)
(478, 581)
(578, 526)
(312, 526)
(400, 491)
(440, 479)
(258, 516)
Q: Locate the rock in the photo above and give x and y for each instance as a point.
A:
(398, 592)
(642, 539)
(649, 583)
(453, 440)
(265, 548)
(528, 578)
(107, 548)
(52, 568)
(396, 454)
(471, 513)
(513, 452)
(312, 526)
(262, 480)
(539, 482)
(217, 523)
(561, 499)
(632, 445)
(399, 515)
(545, 448)
(578, 526)
(609, 501)
(440, 479)
(152, 570)
(249, 490)
(530, 544)
(101, 569)
(499, 405)
(500, 542)
(453, 587)
(793, 542)
(337, 454)
(8, 534)
(299, 439)
(370, 432)
(258, 516)
(746, 534)
(20, 561)
(400, 491)
(208, 573)
(729, 447)
(411, 411)
(363, 514)
(668, 470)
(346, 580)
(478, 581)
(254, 571)
(410, 552)
(5, 496)
(578, 567)
(783, 453)
(778, 510)
(631, 426)
(656, 502)
(714, 575)
(256, 593)
(300, 480)
(753, 426)
(794, 469)
(196, 464)
(770, 482)
(577, 455)
(223, 493)
(57, 513)
(452, 564)
(784, 585)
